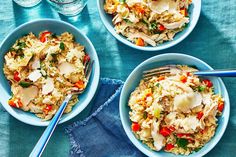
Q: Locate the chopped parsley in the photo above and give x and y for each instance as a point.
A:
(145, 115)
(145, 22)
(122, 1)
(21, 45)
(157, 84)
(54, 57)
(24, 84)
(12, 49)
(201, 88)
(62, 46)
(54, 35)
(127, 20)
(197, 149)
(153, 26)
(181, 142)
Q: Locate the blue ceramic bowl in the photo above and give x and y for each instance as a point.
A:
(194, 13)
(160, 60)
(57, 27)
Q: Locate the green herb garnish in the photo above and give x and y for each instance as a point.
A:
(145, 115)
(21, 45)
(54, 35)
(197, 149)
(22, 56)
(181, 142)
(201, 88)
(54, 57)
(127, 20)
(143, 21)
(157, 84)
(62, 46)
(12, 49)
(122, 1)
(153, 26)
(24, 84)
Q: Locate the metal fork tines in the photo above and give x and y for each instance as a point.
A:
(148, 74)
(88, 68)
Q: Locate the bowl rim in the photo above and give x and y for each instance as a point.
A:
(94, 82)
(155, 48)
(128, 131)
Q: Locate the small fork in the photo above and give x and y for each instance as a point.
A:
(41, 144)
(148, 74)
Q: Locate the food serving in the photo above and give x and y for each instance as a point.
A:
(41, 70)
(148, 22)
(176, 112)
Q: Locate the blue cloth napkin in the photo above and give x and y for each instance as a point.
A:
(101, 134)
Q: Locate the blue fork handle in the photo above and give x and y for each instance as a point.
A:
(41, 144)
(219, 73)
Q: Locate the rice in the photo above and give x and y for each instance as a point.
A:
(148, 22)
(42, 70)
(175, 112)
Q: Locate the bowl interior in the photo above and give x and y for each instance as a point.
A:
(160, 60)
(194, 13)
(57, 27)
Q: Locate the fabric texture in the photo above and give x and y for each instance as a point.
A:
(101, 134)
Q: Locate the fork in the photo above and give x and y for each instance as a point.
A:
(148, 74)
(41, 144)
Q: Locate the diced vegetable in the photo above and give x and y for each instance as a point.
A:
(160, 78)
(145, 114)
(189, 74)
(165, 131)
(157, 112)
(208, 83)
(21, 45)
(24, 84)
(16, 104)
(62, 46)
(122, 1)
(197, 149)
(145, 22)
(12, 49)
(221, 106)
(181, 142)
(53, 35)
(184, 11)
(16, 76)
(180, 135)
(86, 58)
(44, 35)
(161, 28)
(127, 20)
(139, 9)
(172, 128)
(135, 126)
(47, 109)
(153, 26)
(157, 84)
(169, 146)
(183, 78)
(79, 84)
(199, 115)
(201, 88)
(140, 42)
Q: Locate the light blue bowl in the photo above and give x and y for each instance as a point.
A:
(57, 27)
(160, 60)
(194, 13)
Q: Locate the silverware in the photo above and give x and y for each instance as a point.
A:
(41, 144)
(148, 74)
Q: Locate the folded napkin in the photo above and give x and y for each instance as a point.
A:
(101, 134)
